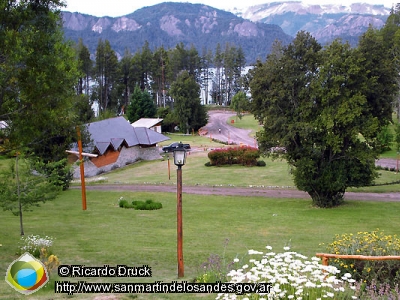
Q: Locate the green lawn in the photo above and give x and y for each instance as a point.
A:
(193, 140)
(274, 174)
(107, 234)
(246, 122)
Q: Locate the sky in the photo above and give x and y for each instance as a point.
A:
(117, 8)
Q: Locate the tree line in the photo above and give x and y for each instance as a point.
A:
(111, 82)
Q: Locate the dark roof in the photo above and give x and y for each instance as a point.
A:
(116, 131)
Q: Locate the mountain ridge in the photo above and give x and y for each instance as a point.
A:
(168, 24)
(254, 28)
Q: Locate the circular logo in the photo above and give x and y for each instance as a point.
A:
(27, 274)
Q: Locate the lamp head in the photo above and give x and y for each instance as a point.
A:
(179, 155)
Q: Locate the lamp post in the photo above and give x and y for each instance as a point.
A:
(179, 161)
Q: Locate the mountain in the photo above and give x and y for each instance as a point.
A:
(168, 24)
(324, 22)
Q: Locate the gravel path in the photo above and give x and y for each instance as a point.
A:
(239, 191)
(218, 120)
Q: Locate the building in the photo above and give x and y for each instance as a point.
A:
(150, 123)
(117, 144)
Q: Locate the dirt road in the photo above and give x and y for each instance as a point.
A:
(218, 120)
(239, 191)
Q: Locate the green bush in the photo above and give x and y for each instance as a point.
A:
(149, 205)
(261, 163)
(122, 202)
(373, 243)
(246, 156)
(140, 205)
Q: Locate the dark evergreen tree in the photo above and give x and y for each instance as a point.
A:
(106, 73)
(141, 106)
(188, 110)
(85, 66)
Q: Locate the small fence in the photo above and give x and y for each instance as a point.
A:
(325, 257)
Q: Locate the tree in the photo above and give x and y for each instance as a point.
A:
(141, 106)
(217, 90)
(106, 73)
(22, 187)
(391, 38)
(239, 103)
(188, 109)
(160, 75)
(206, 61)
(37, 78)
(83, 109)
(125, 73)
(85, 66)
(316, 104)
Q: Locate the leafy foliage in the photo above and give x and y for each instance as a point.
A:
(385, 138)
(239, 103)
(188, 109)
(141, 106)
(140, 205)
(374, 243)
(326, 109)
(23, 187)
(246, 156)
(38, 74)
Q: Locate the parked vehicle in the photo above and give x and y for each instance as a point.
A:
(173, 146)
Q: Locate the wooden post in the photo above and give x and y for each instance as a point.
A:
(81, 168)
(179, 223)
(325, 261)
(169, 170)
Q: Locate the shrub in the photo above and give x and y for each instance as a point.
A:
(261, 163)
(246, 156)
(218, 157)
(122, 203)
(140, 205)
(373, 243)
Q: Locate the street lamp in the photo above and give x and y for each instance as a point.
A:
(179, 160)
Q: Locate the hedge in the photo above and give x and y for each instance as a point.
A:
(246, 156)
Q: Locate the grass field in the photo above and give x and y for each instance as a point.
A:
(246, 122)
(107, 234)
